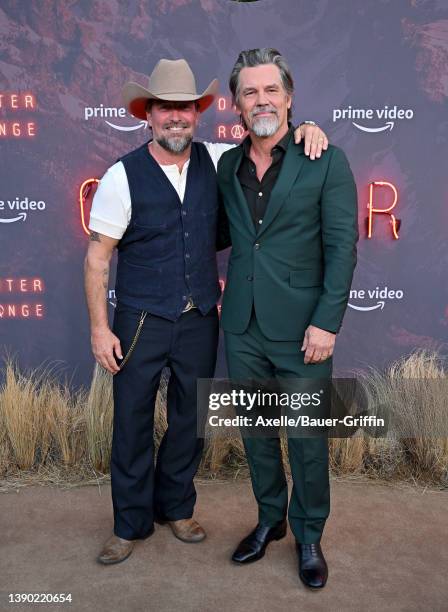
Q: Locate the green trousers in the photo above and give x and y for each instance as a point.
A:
(252, 356)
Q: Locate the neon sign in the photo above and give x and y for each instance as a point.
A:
(233, 131)
(21, 310)
(223, 104)
(87, 185)
(17, 102)
(84, 191)
(395, 223)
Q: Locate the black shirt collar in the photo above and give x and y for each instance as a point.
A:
(281, 145)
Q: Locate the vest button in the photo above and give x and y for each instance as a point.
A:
(187, 255)
(250, 278)
(184, 212)
(257, 246)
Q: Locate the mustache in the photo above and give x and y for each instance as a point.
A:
(264, 109)
(181, 124)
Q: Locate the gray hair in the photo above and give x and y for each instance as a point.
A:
(258, 57)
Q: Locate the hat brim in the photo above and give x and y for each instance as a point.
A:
(135, 98)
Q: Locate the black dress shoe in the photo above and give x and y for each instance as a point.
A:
(254, 545)
(313, 569)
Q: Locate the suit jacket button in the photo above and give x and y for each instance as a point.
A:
(257, 246)
(250, 278)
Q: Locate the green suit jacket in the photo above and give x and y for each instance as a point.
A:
(297, 267)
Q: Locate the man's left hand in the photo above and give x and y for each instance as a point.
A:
(316, 140)
(318, 344)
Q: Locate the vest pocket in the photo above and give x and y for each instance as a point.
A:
(150, 241)
(140, 280)
(137, 264)
(151, 228)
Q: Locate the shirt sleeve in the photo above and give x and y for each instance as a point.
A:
(216, 149)
(111, 207)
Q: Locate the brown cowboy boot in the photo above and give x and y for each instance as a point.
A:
(115, 550)
(187, 530)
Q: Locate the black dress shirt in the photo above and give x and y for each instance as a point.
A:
(257, 193)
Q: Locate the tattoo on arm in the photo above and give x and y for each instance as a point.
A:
(105, 278)
(95, 237)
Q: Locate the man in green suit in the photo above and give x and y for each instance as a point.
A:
(293, 228)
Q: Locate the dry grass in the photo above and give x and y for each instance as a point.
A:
(223, 456)
(99, 419)
(50, 435)
(414, 395)
(22, 413)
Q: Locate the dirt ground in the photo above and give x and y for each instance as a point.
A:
(386, 547)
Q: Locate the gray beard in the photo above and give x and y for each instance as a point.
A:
(176, 144)
(265, 126)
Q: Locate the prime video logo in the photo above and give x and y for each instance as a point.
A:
(18, 209)
(359, 116)
(111, 112)
(379, 295)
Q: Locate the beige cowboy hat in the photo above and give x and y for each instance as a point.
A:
(171, 80)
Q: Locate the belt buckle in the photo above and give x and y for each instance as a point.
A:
(189, 305)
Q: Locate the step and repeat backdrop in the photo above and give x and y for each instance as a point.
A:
(373, 74)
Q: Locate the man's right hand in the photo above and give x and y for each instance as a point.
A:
(104, 345)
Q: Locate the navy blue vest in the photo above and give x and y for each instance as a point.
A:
(168, 251)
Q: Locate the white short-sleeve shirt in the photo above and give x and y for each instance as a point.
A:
(111, 207)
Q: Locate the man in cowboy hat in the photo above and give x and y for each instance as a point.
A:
(158, 206)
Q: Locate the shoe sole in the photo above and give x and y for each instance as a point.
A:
(126, 556)
(258, 557)
(188, 541)
(313, 588)
(104, 562)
